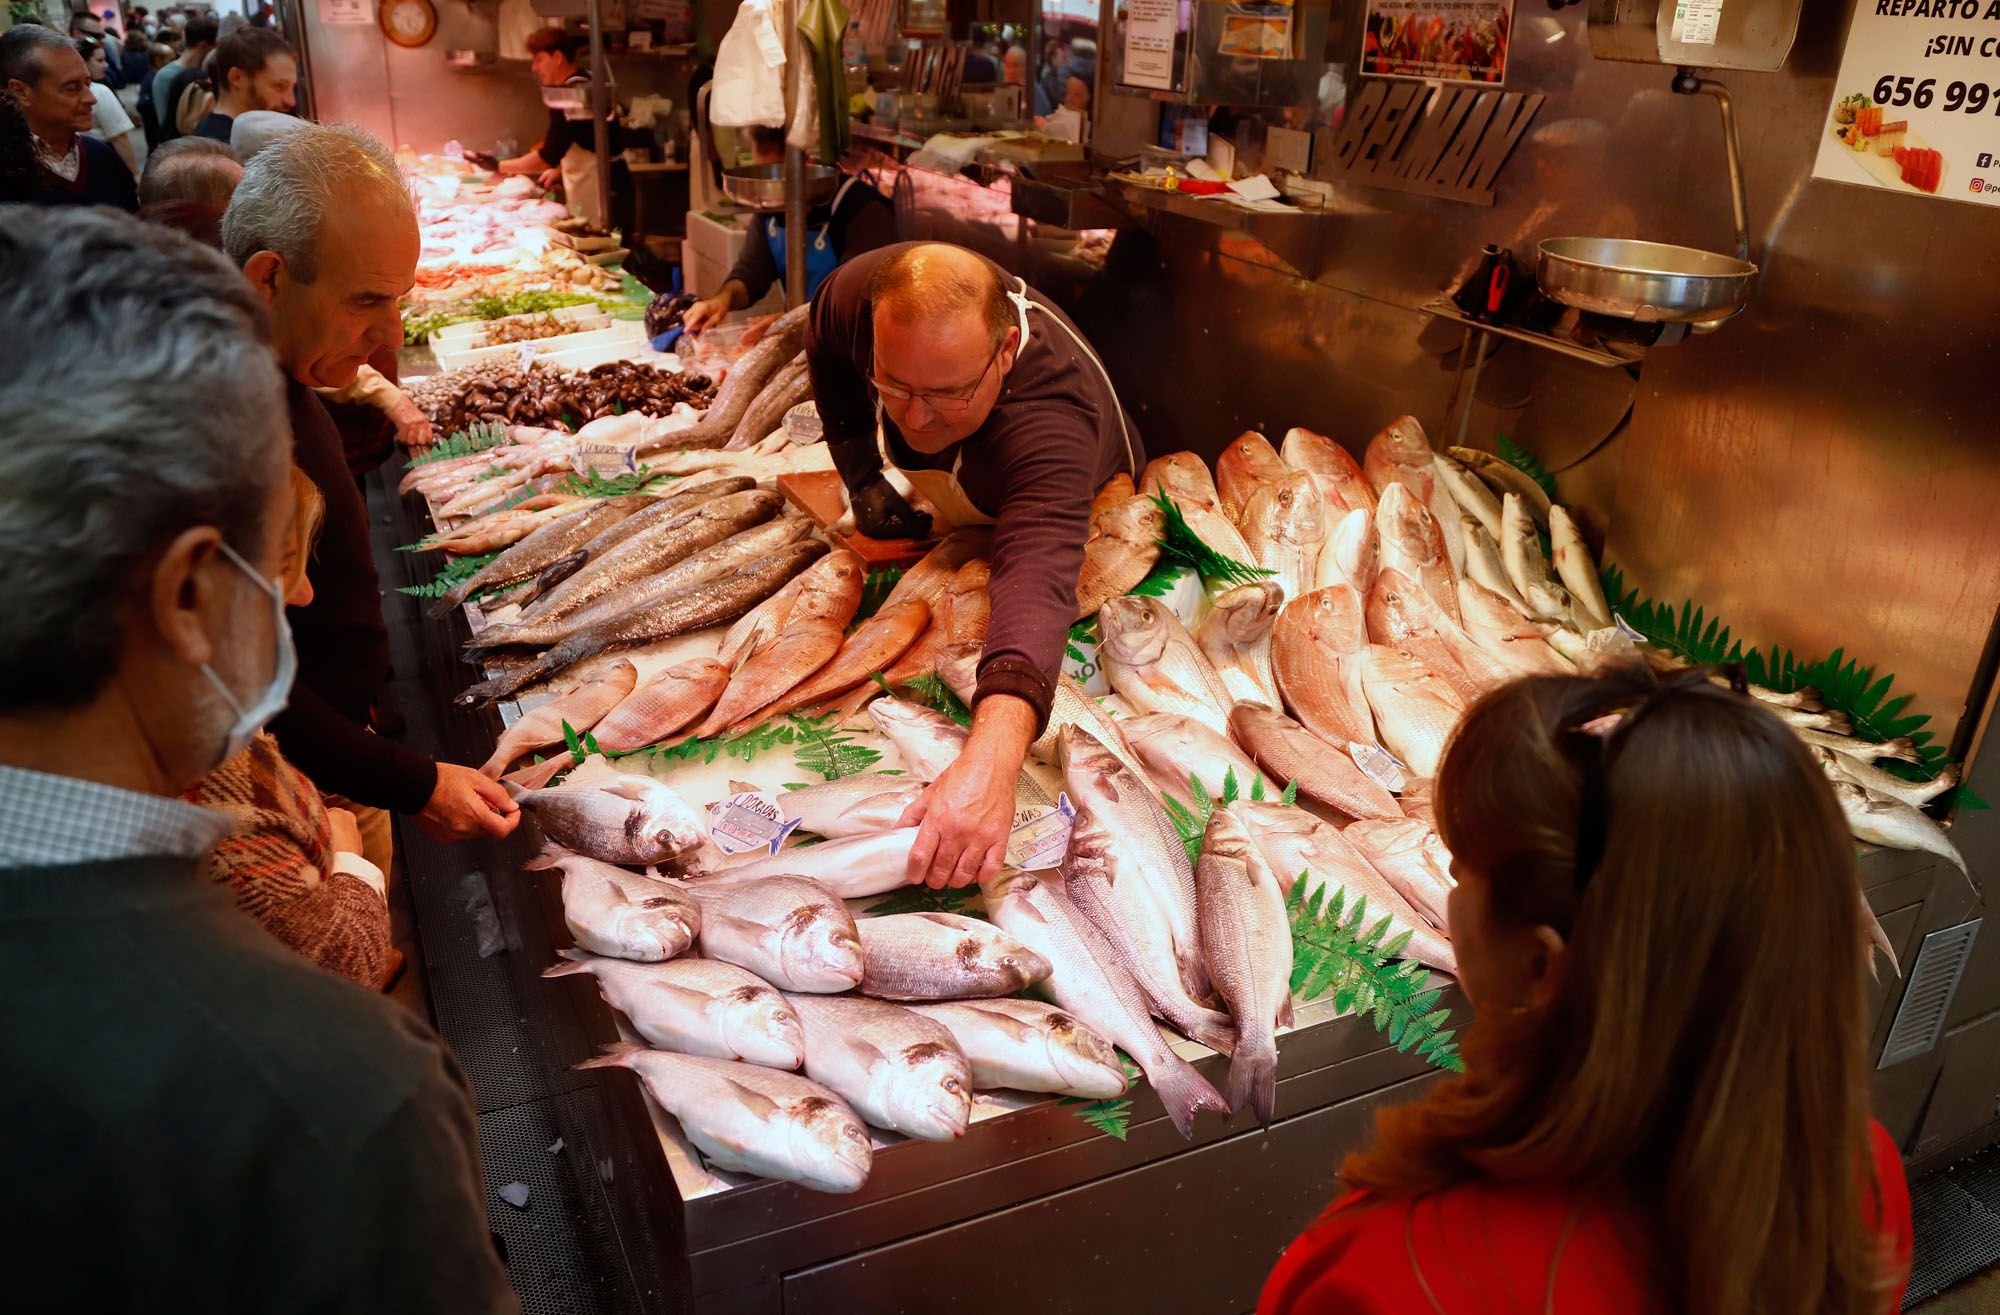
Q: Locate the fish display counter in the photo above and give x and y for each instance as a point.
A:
(1221, 938)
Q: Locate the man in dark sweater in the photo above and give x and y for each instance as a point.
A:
(324, 228)
(995, 409)
(192, 1117)
(46, 75)
(254, 70)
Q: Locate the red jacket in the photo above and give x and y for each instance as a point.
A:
(1486, 1246)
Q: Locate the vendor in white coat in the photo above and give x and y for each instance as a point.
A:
(568, 149)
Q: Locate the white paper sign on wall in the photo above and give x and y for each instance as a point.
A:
(333, 13)
(1916, 108)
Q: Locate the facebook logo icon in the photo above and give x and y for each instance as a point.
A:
(1986, 159)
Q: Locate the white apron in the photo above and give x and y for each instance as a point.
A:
(579, 180)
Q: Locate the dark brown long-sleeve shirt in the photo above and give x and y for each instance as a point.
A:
(1055, 435)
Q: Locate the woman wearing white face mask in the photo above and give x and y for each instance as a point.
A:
(293, 862)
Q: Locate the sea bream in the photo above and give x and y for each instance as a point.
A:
(1342, 484)
(829, 592)
(793, 933)
(1409, 854)
(1290, 754)
(1402, 616)
(1285, 525)
(899, 1070)
(1177, 749)
(723, 597)
(1235, 636)
(854, 868)
(1026, 1045)
(1353, 552)
(1183, 477)
(1248, 938)
(697, 1007)
(875, 644)
(1401, 454)
(1135, 890)
(928, 740)
(1088, 981)
(943, 956)
(1415, 709)
(933, 574)
(1316, 650)
(1124, 544)
(1298, 845)
(750, 1119)
(1413, 544)
(1155, 665)
(1247, 464)
(579, 709)
(614, 912)
(617, 819)
(661, 706)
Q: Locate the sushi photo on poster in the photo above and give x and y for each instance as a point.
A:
(1916, 107)
(1456, 40)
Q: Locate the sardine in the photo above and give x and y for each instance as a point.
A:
(943, 956)
(1124, 544)
(829, 593)
(621, 819)
(663, 705)
(621, 914)
(1474, 499)
(1894, 824)
(1413, 545)
(1288, 752)
(1285, 525)
(709, 602)
(1503, 477)
(1087, 980)
(898, 1069)
(528, 558)
(1518, 644)
(793, 933)
(1840, 767)
(1868, 751)
(1521, 553)
(1353, 553)
(854, 868)
(1341, 482)
(1128, 872)
(851, 805)
(1175, 749)
(1183, 477)
(1402, 616)
(1025, 1045)
(1415, 710)
(1316, 649)
(1578, 568)
(928, 740)
(580, 709)
(1155, 665)
(1412, 858)
(1245, 465)
(750, 1119)
(1298, 845)
(1235, 636)
(875, 644)
(1484, 568)
(1248, 937)
(698, 1007)
(687, 546)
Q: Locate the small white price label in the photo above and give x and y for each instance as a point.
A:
(1040, 838)
(748, 820)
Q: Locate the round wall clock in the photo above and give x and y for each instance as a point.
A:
(409, 23)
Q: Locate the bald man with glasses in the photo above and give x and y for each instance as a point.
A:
(990, 404)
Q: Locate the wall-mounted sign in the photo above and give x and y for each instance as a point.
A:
(334, 13)
(1916, 107)
(1447, 141)
(1149, 44)
(1456, 40)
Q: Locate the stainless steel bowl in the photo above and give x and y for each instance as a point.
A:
(1645, 281)
(762, 186)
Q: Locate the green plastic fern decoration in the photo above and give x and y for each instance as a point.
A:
(875, 590)
(1112, 1116)
(1181, 546)
(452, 574)
(1159, 582)
(1335, 951)
(922, 899)
(931, 691)
(594, 485)
(463, 443)
(830, 752)
(1526, 462)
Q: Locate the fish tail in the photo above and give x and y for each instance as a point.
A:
(616, 1055)
(448, 603)
(1185, 1093)
(1253, 1080)
(573, 964)
(1214, 1030)
(537, 775)
(551, 856)
(1880, 939)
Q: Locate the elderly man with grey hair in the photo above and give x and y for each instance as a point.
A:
(324, 228)
(196, 1118)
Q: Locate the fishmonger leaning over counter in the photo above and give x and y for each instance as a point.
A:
(994, 408)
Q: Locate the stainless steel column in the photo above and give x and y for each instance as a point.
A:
(795, 166)
(600, 112)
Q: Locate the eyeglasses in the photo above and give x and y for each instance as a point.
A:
(954, 403)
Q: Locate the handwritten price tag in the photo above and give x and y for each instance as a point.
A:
(748, 820)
